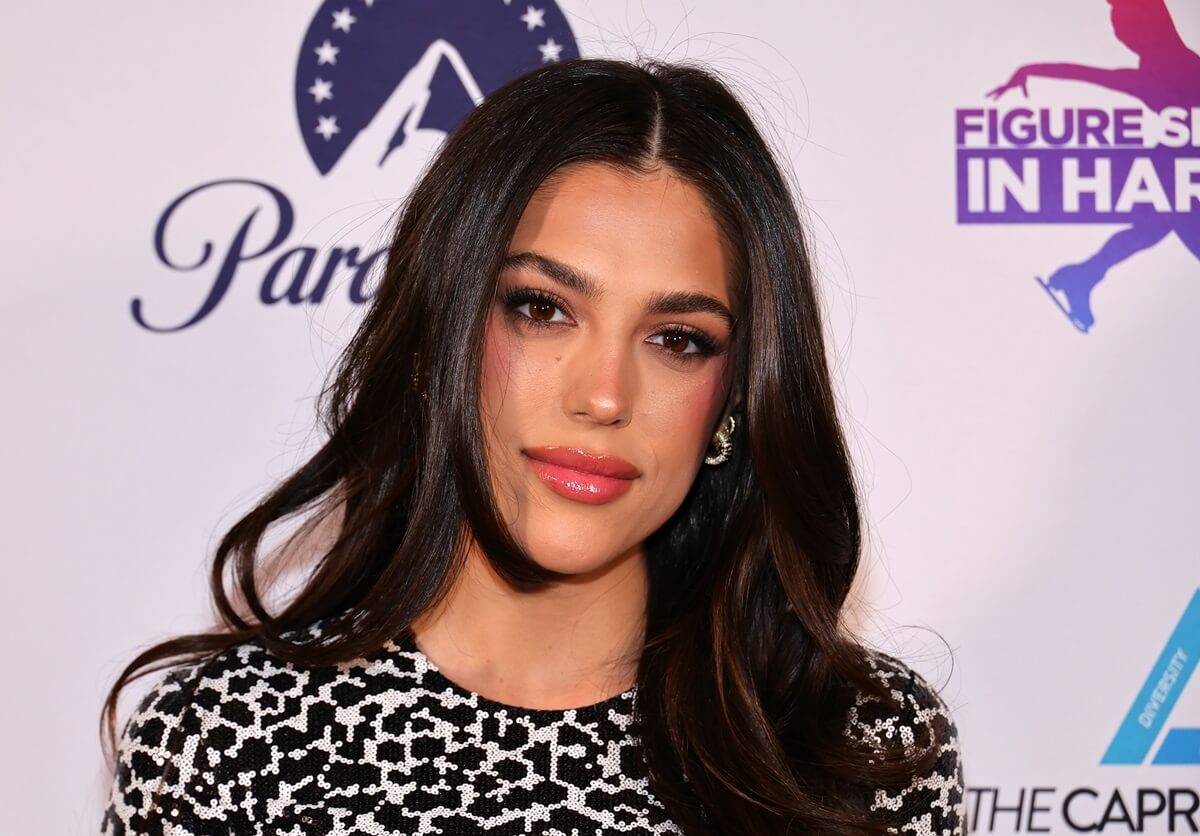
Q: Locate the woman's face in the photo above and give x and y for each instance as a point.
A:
(606, 338)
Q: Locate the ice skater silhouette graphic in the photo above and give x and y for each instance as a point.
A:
(1167, 73)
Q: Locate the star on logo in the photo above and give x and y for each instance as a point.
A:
(533, 18)
(344, 20)
(327, 126)
(550, 50)
(321, 90)
(327, 53)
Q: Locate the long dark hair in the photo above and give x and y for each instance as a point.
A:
(747, 672)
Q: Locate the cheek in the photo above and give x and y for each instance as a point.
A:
(501, 387)
(685, 409)
(497, 365)
(510, 380)
(521, 377)
(516, 386)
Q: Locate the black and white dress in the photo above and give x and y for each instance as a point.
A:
(247, 744)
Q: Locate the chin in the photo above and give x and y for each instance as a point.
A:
(574, 558)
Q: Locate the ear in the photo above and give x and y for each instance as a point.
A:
(731, 407)
(734, 400)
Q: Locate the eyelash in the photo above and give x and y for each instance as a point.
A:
(518, 296)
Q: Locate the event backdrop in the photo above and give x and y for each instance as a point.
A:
(1003, 201)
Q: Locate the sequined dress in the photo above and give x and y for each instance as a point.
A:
(244, 743)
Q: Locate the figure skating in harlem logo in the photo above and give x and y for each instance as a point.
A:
(372, 72)
(1136, 167)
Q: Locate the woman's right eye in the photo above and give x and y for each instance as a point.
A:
(540, 308)
(540, 311)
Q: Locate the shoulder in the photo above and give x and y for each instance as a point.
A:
(914, 711)
(156, 749)
(919, 717)
(170, 756)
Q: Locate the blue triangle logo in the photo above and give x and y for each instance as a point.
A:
(1152, 707)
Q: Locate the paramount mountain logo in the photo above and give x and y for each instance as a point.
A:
(1135, 167)
(370, 76)
(1158, 695)
(408, 66)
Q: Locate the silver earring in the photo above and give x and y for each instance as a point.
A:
(723, 441)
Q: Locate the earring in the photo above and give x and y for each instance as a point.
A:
(724, 442)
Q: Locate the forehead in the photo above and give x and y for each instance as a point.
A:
(628, 228)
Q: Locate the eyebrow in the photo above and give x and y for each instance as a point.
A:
(660, 302)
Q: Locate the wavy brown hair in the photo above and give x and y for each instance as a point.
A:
(747, 671)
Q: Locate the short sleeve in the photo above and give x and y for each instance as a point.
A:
(934, 802)
(158, 764)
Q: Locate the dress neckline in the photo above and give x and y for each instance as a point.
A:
(436, 680)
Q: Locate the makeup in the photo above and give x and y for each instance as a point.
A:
(582, 476)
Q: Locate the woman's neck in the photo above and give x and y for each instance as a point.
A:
(569, 645)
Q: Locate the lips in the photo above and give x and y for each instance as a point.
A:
(581, 476)
(585, 462)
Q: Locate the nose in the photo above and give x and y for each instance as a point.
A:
(601, 381)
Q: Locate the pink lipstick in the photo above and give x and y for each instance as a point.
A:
(585, 477)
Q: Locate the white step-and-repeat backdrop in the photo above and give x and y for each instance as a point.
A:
(1005, 205)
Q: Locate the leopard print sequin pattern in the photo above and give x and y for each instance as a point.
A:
(934, 803)
(244, 743)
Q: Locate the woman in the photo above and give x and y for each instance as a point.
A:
(594, 521)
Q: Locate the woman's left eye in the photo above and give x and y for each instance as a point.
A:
(673, 338)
